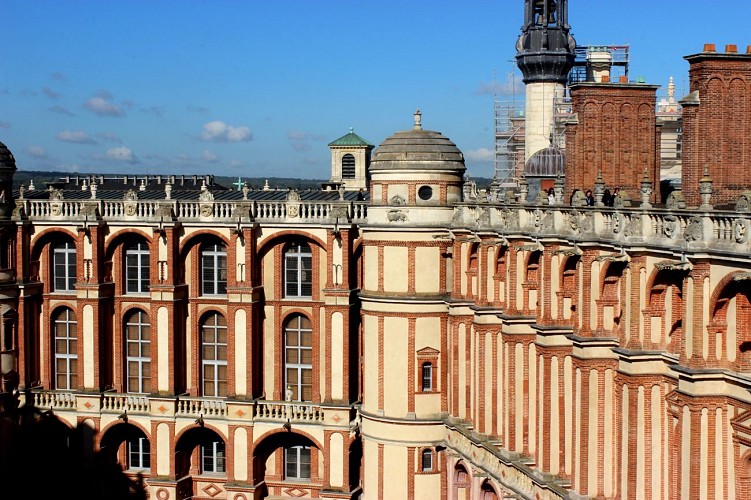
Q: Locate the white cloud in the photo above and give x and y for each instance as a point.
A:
(209, 157)
(36, 152)
(109, 137)
(123, 154)
(218, 131)
(480, 155)
(103, 106)
(298, 135)
(60, 110)
(77, 136)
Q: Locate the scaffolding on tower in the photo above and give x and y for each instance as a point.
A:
(509, 137)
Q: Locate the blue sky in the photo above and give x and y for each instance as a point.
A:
(259, 88)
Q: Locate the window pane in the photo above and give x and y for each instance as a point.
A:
(307, 356)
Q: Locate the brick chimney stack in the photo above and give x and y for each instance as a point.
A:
(615, 131)
(717, 124)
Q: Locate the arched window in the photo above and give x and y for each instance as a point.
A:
(138, 351)
(214, 270)
(137, 268)
(139, 453)
(426, 460)
(65, 341)
(214, 355)
(298, 358)
(427, 377)
(348, 166)
(298, 271)
(297, 463)
(64, 267)
(213, 458)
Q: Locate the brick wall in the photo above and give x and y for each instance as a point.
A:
(717, 124)
(616, 133)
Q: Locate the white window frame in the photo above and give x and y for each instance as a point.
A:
(294, 325)
(70, 356)
(426, 460)
(214, 458)
(64, 267)
(427, 376)
(139, 321)
(139, 453)
(211, 368)
(214, 270)
(298, 271)
(138, 259)
(295, 467)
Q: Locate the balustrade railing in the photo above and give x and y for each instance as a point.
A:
(118, 403)
(288, 411)
(219, 211)
(199, 407)
(54, 400)
(185, 407)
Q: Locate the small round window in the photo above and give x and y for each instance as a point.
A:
(425, 193)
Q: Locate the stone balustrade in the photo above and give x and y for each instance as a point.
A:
(181, 407)
(683, 229)
(156, 211)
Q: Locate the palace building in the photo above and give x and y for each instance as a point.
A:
(413, 339)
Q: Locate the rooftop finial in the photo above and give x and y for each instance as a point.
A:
(352, 130)
(671, 90)
(418, 120)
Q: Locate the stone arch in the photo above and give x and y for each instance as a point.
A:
(114, 259)
(567, 302)
(114, 437)
(269, 449)
(531, 280)
(488, 491)
(189, 444)
(472, 269)
(609, 302)
(664, 308)
(729, 327)
(462, 481)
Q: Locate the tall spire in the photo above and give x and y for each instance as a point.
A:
(545, 49)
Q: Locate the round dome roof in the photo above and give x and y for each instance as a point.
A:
(417, 148)
(548, 162)
(7, 161)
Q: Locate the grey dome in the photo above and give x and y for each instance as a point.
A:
(7, 161)
(548, 162)
(418, 149)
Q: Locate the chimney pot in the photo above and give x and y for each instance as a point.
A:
(709, 47)
(624, 79)
(748, 49)
(605, 79)
(731, 48)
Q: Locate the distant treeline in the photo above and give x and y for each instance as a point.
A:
(42, 178)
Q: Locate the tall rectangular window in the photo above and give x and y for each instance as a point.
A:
(298, 271)
(64, 267)
(138, 356)
(214, 355)
(298, 357)
(213, 458)
(214, 270)
(427, 377)
(137, 268)
(66, 349)
(297, 463)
